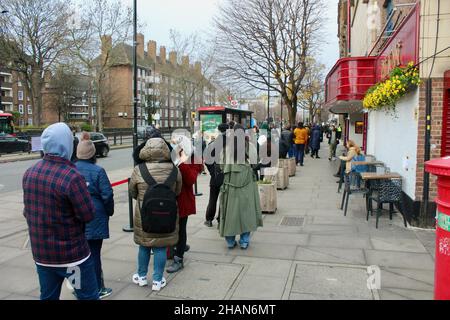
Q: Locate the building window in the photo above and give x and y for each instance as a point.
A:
(19, 83)
(9, 108)
(21, 108)
(29, 109)
(20, 95)
(30, 121)
(21, 122)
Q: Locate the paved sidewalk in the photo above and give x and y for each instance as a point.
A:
(324, 256)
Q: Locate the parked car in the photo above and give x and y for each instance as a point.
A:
(100, 141)
(11, 144)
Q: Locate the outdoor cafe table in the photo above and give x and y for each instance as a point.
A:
(367, 163)
(373, 176)
(379, 176)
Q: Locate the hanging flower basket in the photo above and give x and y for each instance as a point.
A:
(385, 95)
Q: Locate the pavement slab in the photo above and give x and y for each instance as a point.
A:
(330, 255)
(336, 282)
(201, 280)
(395, 259)
(260, 288)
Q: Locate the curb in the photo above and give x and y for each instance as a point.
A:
(38, 156)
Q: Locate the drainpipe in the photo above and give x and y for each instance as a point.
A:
(349, 26)
(427, 156)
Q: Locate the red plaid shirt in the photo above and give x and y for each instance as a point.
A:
(57, 207)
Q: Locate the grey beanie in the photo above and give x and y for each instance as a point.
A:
(85, 150)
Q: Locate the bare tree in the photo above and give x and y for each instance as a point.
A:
(311, 96)
(265, 43)
(62, 90)
(98, 28)
(35, 37)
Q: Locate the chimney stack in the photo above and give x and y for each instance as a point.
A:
(151, 49)
(162, 54)
(173, 58)
(185, 61)
(140, 45)
(198, 67)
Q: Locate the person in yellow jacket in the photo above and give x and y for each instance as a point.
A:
(301, 141)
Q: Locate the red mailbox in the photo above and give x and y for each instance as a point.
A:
(441, 168)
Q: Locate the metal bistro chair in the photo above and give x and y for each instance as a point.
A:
(353, 185)
(388, 191)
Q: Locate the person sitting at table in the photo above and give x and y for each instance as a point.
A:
(354, 154)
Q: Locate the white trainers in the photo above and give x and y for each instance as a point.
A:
(158, 285)
(140, 281)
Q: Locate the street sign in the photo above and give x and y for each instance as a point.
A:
(234, 103)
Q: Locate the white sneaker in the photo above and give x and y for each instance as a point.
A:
(157, 286)
(140, 281)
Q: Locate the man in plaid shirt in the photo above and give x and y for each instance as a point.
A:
(57, 207)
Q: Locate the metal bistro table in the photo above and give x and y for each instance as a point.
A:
(371, 164)
(372, 180)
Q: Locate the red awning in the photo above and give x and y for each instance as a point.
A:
(348, 82)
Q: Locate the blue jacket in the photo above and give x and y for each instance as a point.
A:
(315, 137)
(102, 195)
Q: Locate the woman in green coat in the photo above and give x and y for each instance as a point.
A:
(240, 209)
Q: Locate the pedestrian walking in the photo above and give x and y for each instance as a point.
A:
(57, 207)
(155, 174)
(213, 152)
(301, 141)
(286, 139)
(316, 133)
(240, 210)
(102, 195)
(333, 142)
(190, 170)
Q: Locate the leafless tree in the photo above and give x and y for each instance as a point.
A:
(99, 26)
(63, 93)
(265, 43)
(311, 96)
(35, 36)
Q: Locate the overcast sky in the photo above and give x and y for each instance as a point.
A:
(189, 16)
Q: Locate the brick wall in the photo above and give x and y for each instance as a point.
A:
(436, 133)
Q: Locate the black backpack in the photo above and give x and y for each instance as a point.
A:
(159, 209)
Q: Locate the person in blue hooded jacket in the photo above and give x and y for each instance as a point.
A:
(102, 195)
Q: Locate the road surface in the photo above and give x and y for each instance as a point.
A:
(11, 173)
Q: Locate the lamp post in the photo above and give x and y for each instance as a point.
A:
(130, 226)
(1, 34)
(135, 80)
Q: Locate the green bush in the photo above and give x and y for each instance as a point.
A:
(86, 127)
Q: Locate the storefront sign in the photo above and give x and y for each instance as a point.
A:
(402, 47)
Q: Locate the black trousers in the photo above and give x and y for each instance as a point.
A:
(214, 193)
(182, 238)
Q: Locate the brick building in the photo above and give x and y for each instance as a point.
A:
(169, 90)
(376, 36)
(16, 97)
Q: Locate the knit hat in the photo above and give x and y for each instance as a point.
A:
(85, 150)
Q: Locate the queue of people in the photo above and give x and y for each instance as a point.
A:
(68, 206)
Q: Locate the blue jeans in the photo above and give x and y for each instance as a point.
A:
(159, 262)
(292, 151)
(244, 240)
(300, 153)
(82, 278)
(96, 247)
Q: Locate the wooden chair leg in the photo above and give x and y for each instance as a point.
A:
(346, 203)
(343, 199)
